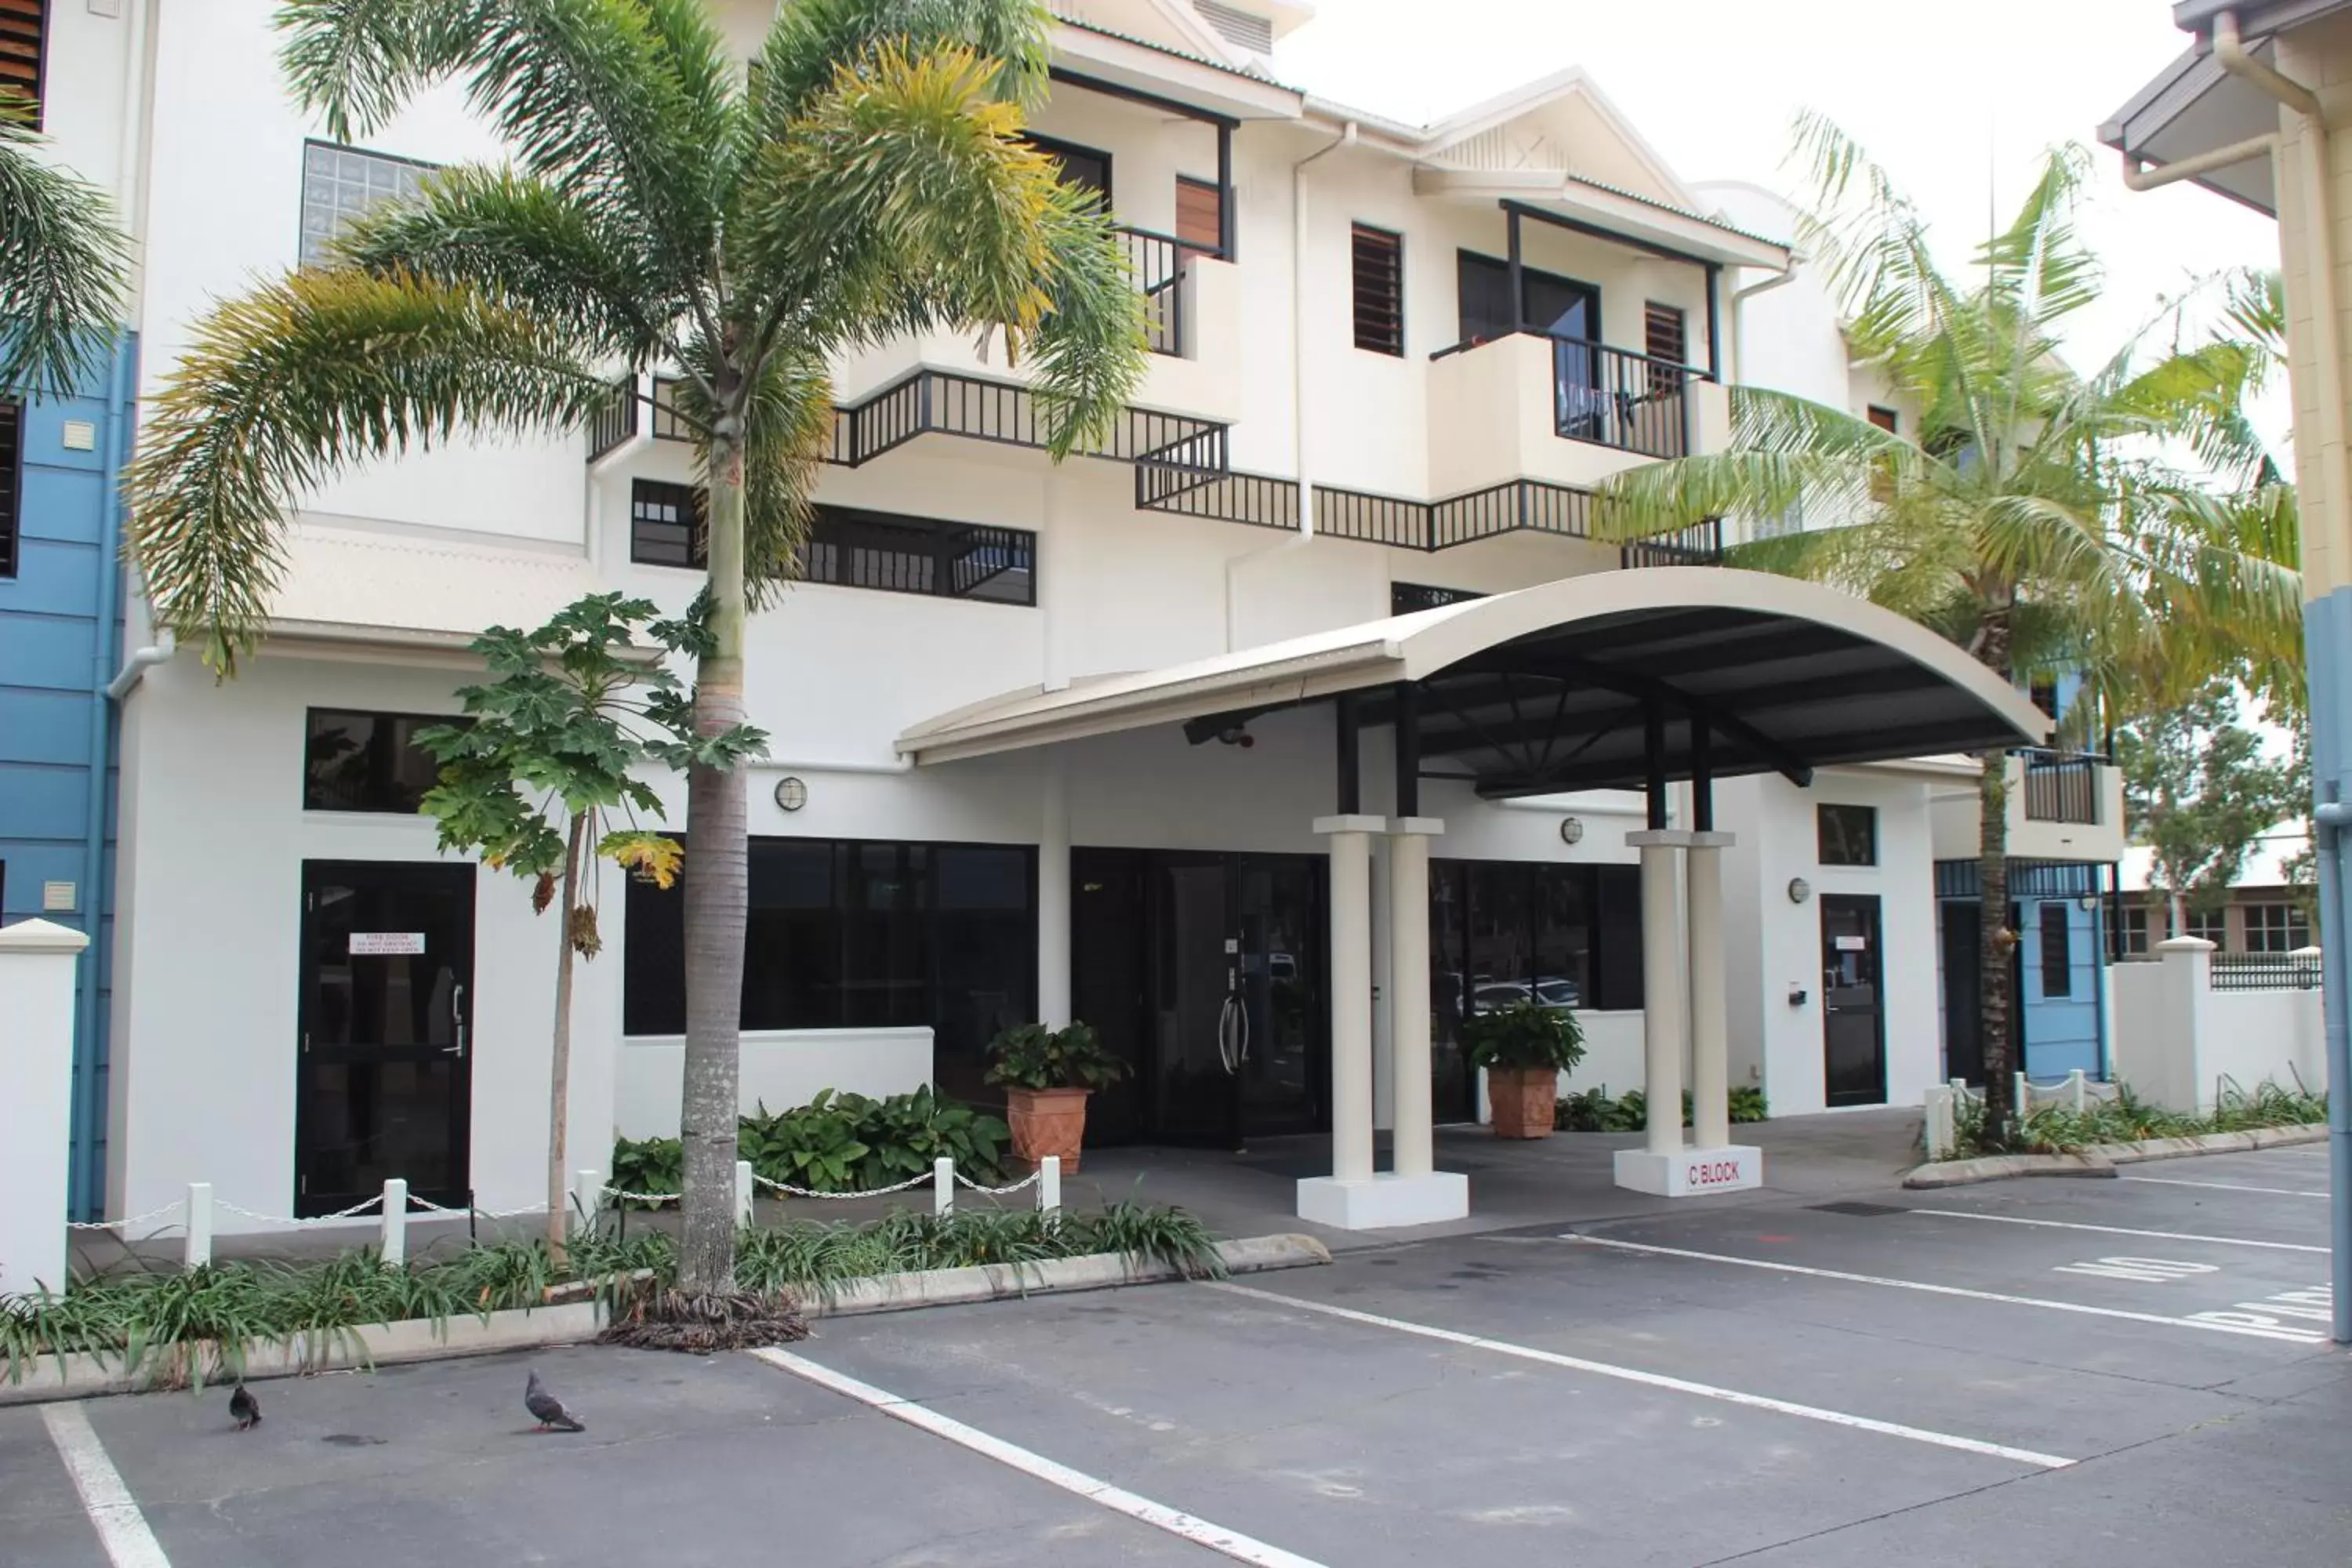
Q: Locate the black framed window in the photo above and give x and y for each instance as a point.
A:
(354, 761)
(1089, 168)
(2057, 951)
(1404, 598)
(1506, 931)
(2276, 928)
(1378, 262)
(846, 934)
(665, 524)
(23, 24)
(1848, 835)
(341, 184)
(1548, 302)
(12, 481)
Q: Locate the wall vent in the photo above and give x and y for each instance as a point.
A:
(1237, 27)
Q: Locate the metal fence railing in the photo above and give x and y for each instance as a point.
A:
(2061, 788)
(2265, 971)
(1158, 262)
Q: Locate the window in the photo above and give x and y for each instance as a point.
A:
(852, 547)
(1663, 339)
(1081, 166)
(1379, 263)
(1199, 216)
(1547, 302)
(340, 183)
(1404, 598)
(22, 23)
(668, 424)
(1887, 419)
(368, 762)
(665, 524)
(2276, 928)
(2057, 950)
(846, 934)
(11, 478)
(2043, 694)
(2134, 924)
(1881, 483)
(1848, 835)
(1564, 935)
(2209, 925)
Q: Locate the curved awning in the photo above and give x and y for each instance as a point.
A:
(1564, 686)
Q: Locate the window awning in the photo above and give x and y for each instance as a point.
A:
(1554, 688)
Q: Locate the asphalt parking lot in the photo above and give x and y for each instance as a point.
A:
(2075, 1373)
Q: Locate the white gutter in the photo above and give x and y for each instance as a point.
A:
(137, 666)
(1306, 534)
(2140, 176)
(899, 764)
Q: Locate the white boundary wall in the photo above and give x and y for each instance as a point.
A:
(2176, 1039)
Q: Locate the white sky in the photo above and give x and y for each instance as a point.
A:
(1958, 99)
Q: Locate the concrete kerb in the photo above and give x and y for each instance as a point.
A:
(83, 1376)
(2100, 1158)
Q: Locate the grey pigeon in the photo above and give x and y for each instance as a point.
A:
(549, 1409)
(245, 1408)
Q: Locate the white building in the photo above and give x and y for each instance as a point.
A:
(1049, 741)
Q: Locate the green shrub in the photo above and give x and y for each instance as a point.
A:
(2124, 1118)
(1524, 1034)
(1031, 1056)
(1592, 1110)
(648, 1165)
(837, 1143)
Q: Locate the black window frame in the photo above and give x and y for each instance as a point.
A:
(1489, 270)
(1061, 151)
(386, 796)
(653, 986)
(2057, 937)
(853, 547)
(12, 485)
(644, 530)
(1611, 897)
(1893, 421)
(1826, 838)
(1392, 342)
(303, 182)
(40, 65)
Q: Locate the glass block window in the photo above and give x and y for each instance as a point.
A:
(339, 183)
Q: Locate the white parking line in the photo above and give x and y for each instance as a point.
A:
(122, 1528)
(2223, 1187)
(1200, 1532)
(2121, 1230)
(1654, 1380)
(2294, 1336)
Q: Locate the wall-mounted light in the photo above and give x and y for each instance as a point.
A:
(2090, 900)
(791, 794)
(1237, 736)
(1572, 831)
(1799, 889)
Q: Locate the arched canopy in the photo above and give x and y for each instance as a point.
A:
(1604, 681)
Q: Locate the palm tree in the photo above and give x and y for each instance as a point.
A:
(2038, 517)
(668, 205)
(63, 266)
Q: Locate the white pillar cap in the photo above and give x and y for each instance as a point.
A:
(1426, 826)
(41, 936)
(1351, 822)
(2185, 944)
(1659, 838)
(1712, 838)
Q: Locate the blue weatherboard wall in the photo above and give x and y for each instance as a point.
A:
(2061, 1033)
(60, 617)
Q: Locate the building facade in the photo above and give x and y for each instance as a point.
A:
(1442, 336)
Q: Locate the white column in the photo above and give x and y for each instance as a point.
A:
(1710, 1022)
(1351, 993)
(36, 999)
(1408, 991)
(1661, 994)
(1353, 1197)
(1054, 896)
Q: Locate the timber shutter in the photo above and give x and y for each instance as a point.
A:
(1378, 266)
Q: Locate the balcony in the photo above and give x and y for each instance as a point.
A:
(2061, 788)
(2063, 806)
(1567, 410)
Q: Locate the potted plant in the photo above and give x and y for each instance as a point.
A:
(1047, 1075)
(1524, 1048)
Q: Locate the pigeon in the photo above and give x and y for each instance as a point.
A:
(550, 1410)
(245, 1407)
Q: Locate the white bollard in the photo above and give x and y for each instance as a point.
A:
(395, 1223)
(943, 1186)
(1049, 1185)
(743, 1190)
(587, 1197)
(1941, 1129)
(2020, 1102)
(2080, 1087)
(200, 1226)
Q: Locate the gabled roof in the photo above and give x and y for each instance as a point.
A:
(1531, 98)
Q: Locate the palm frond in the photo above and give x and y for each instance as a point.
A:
(787, 434)
(812, 38)
(64, 267)
(304, 376)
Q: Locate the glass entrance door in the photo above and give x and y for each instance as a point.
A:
(383, 1081)
(1279, 1004)
(1854, 1020)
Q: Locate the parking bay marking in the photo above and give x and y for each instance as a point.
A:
(1652, 1379)
(1200, 1532)
(2225, 1186)
(2210, 1322)
(2123, 1230)
(113, 1511)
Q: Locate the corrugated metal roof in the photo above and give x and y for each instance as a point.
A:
(1174, 53)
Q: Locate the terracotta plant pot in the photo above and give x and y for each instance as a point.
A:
(1046, 1121)
(1521, 1100)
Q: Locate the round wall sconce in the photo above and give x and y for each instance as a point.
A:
(1799, 889)
(790, 793)
(2090, 900)
(1572, 831)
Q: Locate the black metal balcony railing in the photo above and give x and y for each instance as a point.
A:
(1619, 398)
(1158, 261)
(615, 421)
(2061, 787)
(2265, 971)
(1700, 544)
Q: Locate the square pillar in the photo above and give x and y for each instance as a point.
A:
(38, 959)
(1354, 1197)
(1054, 896)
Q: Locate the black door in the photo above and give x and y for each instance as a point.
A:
(383, 1085)
(1277, 902)
(1110, 975)
(1964, 992)
(1853, 1022)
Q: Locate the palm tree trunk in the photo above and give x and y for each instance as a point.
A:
(559, 1061)
(717, 898)
(1994, 944)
